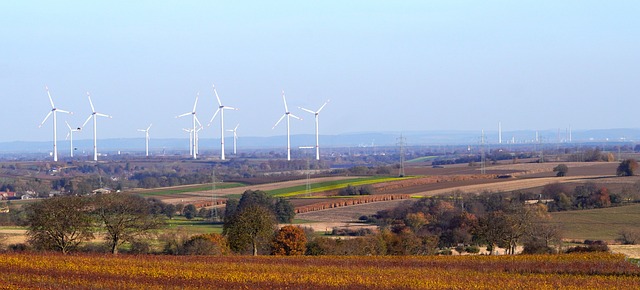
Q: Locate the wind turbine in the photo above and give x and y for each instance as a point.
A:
(53, 112)
(235, 137)
(190, 131)
(288, 115)
(146, 137)
(70, 135)
(220, 110)
(195, 120)
(316, 113)
(95, 115)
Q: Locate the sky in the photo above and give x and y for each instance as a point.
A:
(386, 66)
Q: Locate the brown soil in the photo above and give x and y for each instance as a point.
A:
(350, 213)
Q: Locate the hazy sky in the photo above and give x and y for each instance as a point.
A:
(385, 65)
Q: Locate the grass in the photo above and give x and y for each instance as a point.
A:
(598, 224)
(12, 228)
(194, 226)
(330, 185)
(301, 221)
(195, 188)
(422, 159)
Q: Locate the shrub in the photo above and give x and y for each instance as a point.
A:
(444, 252)
(140, 247)
(628, 237)
(351, 232)
(561, 170)
(356, 190)
(590, 246)
(472, 249)
(100, 248)
(173, 241)
(20, 247)
(627, 167)
(206, 244)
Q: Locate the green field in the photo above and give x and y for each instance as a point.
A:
(330, 185)
(195, 188)
(194, 226)
(422, 159)
(598, 224)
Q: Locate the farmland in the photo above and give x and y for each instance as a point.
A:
(593, 271)
(598, 224)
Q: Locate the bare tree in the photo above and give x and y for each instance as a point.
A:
(125, 217)
(59, 223)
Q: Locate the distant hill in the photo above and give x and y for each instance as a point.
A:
(361, 139)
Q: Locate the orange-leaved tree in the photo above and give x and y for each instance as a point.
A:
(289, 241)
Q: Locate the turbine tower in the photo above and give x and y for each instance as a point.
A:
(195, 120)
(288, 115)
(53, 112)
(499, 132)
(196, 139)
(235, 138)
(146, 137)
(220, 110)
(95, 116)
(316, 113)
(190, 140)
(70, 135)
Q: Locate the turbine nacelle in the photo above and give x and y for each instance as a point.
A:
(316, 114)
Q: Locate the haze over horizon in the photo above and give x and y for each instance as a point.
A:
(385, 66)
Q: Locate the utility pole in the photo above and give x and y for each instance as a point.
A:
(401, 142)
(482, 154)
(214, 198)
(308, 173)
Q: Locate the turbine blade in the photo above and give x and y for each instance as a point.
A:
(286, 109)
(91, 103)
(149, 126)
(65, 138)
(142, 130)
(197, 121)
(229, 108)
(196, 103)
(325, 103)
(292, 115)
(214, 116)
(103, 115)
(217, 97)
(68, 126)
(236, 128)
(87, 121)
(307, 110)
(280, 120)
(45, 118)
(185, 114)
(63, 111)
(50, 99)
